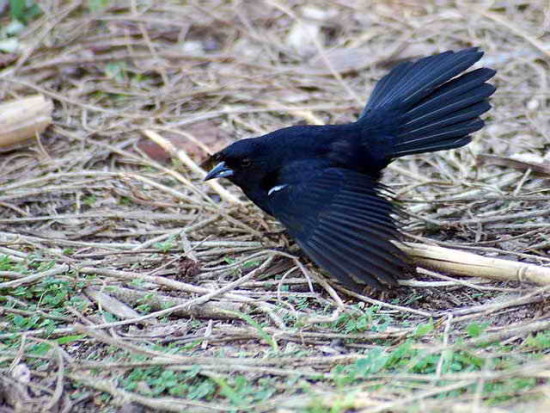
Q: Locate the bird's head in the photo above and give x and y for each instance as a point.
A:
(244, 163)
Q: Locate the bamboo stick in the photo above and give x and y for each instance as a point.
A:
(22, 119)
(463, 263)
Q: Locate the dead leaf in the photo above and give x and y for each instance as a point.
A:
(536, 167)
(318, 13)
(208, 133)
(21, 373)
(188, 268)
(10, 45)
(341, 60)
(302, 37)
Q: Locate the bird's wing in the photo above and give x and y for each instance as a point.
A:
(341, 219)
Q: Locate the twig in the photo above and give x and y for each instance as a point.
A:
(122, 397)
(214, 310)
(516, 30)
(35, 277)
(187, 161)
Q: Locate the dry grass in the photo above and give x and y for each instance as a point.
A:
(128, 282)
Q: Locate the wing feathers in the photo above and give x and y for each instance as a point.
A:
(355, 263)
(341, 220)
(332, 265)
(357, 245)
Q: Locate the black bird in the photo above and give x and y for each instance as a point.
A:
(322, 182)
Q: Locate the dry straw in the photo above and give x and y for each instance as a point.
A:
(89, 222)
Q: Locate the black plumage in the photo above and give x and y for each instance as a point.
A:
(322, 182)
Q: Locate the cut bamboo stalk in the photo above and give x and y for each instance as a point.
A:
(22, 119)
(463, 263)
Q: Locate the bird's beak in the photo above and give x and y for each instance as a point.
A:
(221, 170)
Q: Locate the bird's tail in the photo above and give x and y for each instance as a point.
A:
(434, 109)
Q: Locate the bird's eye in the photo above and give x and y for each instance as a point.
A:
(246, 162)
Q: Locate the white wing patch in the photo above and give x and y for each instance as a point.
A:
(276, 188)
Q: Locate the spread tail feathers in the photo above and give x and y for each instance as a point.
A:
(434, 108)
